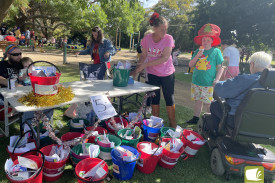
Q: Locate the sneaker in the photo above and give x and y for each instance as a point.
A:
(194, 120)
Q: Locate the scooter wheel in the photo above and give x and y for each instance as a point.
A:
(216, 162)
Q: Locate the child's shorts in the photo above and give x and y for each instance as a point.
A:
(202, 93)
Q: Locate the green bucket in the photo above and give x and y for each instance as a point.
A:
(75, 153)
(128, 142)
(120, 77)
(76, 120)
(105, 152)
(163, 131)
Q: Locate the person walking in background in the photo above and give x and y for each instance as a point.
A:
(231, 58)
(28, 37)
(157, 48)
(208, 70)
(17, 33)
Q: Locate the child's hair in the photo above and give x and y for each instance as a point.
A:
(26, 59)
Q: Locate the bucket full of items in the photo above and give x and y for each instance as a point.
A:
(116, 123)
(192, 142)
(91, 170)
(172, 150)
(55, 160)
(27, 168)
(121, 74)
(106, 144)
(150, 156)
(130, 137)
(44, 79)
(84, 151)
(95, 132)
(124, 162)
(78, 124)
(151, 128)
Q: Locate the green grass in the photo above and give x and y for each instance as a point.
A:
(273, 63)
(181, 76)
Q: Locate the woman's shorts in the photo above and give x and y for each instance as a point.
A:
(202, 93)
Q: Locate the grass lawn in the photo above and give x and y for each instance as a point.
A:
(195, 169)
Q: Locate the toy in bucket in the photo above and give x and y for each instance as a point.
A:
(129, 136)
(150, 156)
(26, 169)
(118, 123)
(44, 79)
(192, 142)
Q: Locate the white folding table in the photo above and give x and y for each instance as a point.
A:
(82, 90)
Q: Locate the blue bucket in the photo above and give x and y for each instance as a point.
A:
(123, 170)
(150, 134)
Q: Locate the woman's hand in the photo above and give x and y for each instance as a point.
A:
(140, 67)
(106, 54)
(77, 53)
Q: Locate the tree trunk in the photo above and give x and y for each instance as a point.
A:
(4, 7)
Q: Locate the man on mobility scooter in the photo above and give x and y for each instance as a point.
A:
(243, 114)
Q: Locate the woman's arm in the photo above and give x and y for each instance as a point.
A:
(109, 47)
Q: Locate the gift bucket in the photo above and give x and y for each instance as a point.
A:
(117, 120)
(100, 131)
(52, 171)
(70, 136)
(124, 170)
(150, 133)
(88, 164)
(163, 132)
(147, 162)
(120, 77)
(74, 128)
(105, 152)
(128, 142)
(191, 148)
(13, 155)
(169, 159)
(37, 176)
(44, 85)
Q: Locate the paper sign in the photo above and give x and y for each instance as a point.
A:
(103, 107)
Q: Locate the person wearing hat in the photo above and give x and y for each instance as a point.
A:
(231, 57)
(11, 67)
(207, 61)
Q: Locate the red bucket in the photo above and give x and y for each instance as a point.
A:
(15, 155)
(37, 177)
(190, 148)
(52, 171)
(147, 162)
(100, 131)
(86, 165)
(117, 120)
(70, 136)
(169, 159)
(44, 85)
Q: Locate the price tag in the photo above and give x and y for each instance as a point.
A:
(103, 107)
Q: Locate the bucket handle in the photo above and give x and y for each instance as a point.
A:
(43, 158)
(127, 162)
(20, 140)
(43, 62)
(90, 181)
(152, 154)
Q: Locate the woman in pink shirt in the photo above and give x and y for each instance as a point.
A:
(157, 48)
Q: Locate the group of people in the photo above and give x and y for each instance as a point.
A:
(209, 75)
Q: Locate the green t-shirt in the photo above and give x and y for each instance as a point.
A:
(205, 69)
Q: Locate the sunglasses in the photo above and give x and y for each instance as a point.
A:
(15, 54)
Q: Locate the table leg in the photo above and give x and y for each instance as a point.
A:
(6, 112)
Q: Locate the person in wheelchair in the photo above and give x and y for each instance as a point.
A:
(234, 90)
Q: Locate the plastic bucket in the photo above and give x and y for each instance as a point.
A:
(123, 170)
(120, 77)
(128, 142)
(37, 177)
(100, 131)
(150, 134)
(190, 148)
(70, 136)
(14, 156)
(75, 153)
(52, 171)
(169, 159)
(44, 85)
(163, 132)
(76, 120)
(117, 120)
(147, 162)
(105, 152)
(86, 165)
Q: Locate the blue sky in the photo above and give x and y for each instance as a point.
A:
(149, 3)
